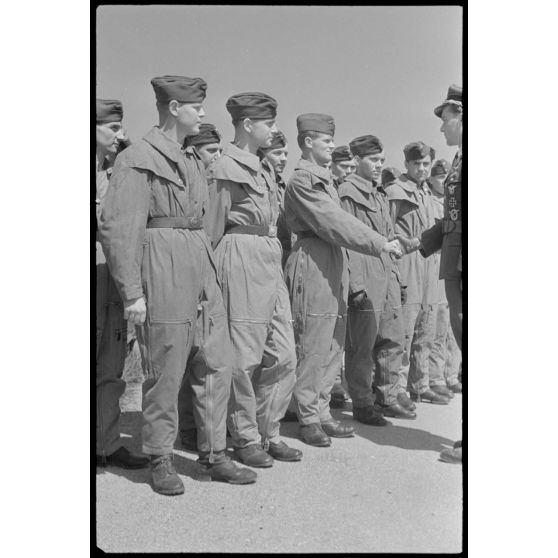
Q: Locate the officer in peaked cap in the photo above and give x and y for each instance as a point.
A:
(161, 261)
(243, 228)
(317, 276)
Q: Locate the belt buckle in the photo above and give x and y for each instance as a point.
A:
(272, 230)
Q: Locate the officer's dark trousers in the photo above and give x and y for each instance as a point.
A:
(111, 353)
(455, 302)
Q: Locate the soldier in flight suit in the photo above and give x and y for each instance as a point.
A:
(317, 276)
(161, 261)
(342, 164)
(242, 221)
(374, 344)
(111, 325)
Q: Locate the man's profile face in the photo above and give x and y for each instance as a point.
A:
(108, 136)
(277, 158)
(189, 117)
(419, 169)
(452, 125)
(437, 183)
(342, 169)
(322, 147)
(209, 153)
(262, 131)
(370, 166)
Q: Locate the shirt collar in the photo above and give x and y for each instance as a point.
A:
(166, 145)
(321, 172)
(243, 157)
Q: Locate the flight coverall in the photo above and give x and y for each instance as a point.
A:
(411, 214)
(151, 232)
(446, 235)
(318, 282)
(242, 223)
(374, 341)
(111, 342)
(445, 357)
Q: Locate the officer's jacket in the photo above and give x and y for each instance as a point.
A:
(312, 205)
(438, 209)
(411, 214)
(245, 193)
(446, 234)
(152, 178)
(362, 198)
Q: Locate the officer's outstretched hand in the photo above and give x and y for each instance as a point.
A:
(135, 310)
(409, 244)
(393, 247)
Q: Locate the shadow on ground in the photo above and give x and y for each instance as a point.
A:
(394, 434)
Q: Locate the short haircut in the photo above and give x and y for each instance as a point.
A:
(301, 137)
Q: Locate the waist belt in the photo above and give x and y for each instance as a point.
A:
(258, 230)
(306, 234)
(449, 226)
(175, 223)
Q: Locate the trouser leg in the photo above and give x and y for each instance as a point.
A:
(332, 367)
(388, 354)
(165, 348)
(438, 352)
(410, 314)
(274, 380)
(248, 340)
(425, 329)
(453, 358)
(455, 302)
(362, 329)
(111, 354)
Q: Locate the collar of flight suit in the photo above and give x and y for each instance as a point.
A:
(320, 172)
(170, 148)
(359, 190)
(243, 157)
(407, 184)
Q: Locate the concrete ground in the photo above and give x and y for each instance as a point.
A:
(384, 490)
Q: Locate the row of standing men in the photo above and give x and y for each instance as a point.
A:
(199, 270)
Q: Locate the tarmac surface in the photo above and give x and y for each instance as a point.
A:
(385, 490)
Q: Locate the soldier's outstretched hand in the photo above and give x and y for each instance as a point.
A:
(135, 310)
(393, 247)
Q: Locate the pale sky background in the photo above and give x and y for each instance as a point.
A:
(376, 70)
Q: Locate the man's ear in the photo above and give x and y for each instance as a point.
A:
(247, 125)
(308, 142)
(173, 107)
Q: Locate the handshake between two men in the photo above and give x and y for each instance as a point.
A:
(401, 245)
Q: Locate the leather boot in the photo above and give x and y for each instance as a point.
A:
(313, 435)
(164, 477)
(429, 395)
(226, 471)
(282, 452)
(404, 401)
(396, 411)
(456, 388)
(335, 429)
(453, 455)
(369, 415)
(442, 390)
(253, 456)
(189, 439)
(122, 457)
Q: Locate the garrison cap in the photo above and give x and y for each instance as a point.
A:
(455, 97)
(441, 166)
(208, 134)
(418, 150)
(314, 122)
(341, 153)
(278, 141)
(257, 106)
(109, 110)
(180, 88)
(366, 145)
(389, 175)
